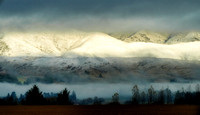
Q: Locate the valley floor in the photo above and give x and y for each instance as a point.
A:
(102, 110)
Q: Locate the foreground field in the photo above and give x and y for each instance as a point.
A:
(101, 110)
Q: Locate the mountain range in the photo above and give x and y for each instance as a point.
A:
(158, 37)
(139, 44)
(75, 57)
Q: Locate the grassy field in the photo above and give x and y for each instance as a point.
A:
(101, 110)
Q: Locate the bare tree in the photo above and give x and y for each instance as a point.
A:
(152, 95)
(136, 95)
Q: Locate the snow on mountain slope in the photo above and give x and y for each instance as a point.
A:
(121, 35)
(78, 57)
(95, 69)
(182, 51)
(102, 45)
(42, 44)
(184, 37)
(157, 37)
(147, 36)
(142, 36)
(91, 45)
(105, 46)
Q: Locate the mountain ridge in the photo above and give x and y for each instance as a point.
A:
(96, 45)
(80, 57)
(95, 69)
(157, 37)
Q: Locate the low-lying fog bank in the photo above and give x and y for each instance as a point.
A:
(104, 90)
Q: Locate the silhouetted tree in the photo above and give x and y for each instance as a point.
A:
(98, 101)
(115, 99)
(179, 97)
(136, 95)
(2, 101)
(22, 99)
(143, 98)
(197, 95)
(151, 95)
(168, 96)
(189, 99)
(9, 100)
(161, 97)
(34, 96)
(88, 101)
(14, 96)
(63, 98)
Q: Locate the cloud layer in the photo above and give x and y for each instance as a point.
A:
(100, 15)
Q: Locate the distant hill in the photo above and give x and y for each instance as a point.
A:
(144, 44)
(142, 36)
(157, 37)
(184, 37)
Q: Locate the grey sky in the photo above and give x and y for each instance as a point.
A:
(100, 15)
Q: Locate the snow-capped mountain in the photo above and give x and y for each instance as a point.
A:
(157, 37)
(184, 37)
(144, 36)
(40, 44)
(78, 57)
(93, 45)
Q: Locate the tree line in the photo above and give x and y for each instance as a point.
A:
(163, 96)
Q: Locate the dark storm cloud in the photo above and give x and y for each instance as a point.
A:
(62, 7)
(96, 14)
(95, 7)
(1, 2)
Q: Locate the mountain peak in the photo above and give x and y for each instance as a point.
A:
(184, 37)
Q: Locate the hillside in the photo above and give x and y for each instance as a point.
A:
(93, 45)
(143, 36)
(78, 57)
(90, 69)
(40, 44)
(184, 37)
(157, 37)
